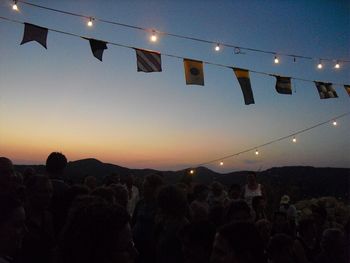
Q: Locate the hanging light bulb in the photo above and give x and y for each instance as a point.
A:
(153, 37)
(294, 139)
(335, 123)
(256, 152)
(14, 6)
(217, 47)
(90, 23)
(319, 65)
(221, 163)
(191, 171)
(276, 60)
(337, 65)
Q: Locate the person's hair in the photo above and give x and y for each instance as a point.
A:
(7, 205)
(56, 163)
(92, 231)
(172, 201)
(235, 207)
(199, 189)
(277, 245)
(244, 240)
(6, 166)
(252, 173)
(332, 238)
(154, 180)
(121, 194)
(106, 193)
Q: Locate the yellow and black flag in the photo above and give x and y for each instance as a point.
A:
(347, 88)
(244, 81)
(283, 85)
(194, 72)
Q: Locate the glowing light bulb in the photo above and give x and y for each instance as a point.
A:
(14, 6)
(153, 37)
(256, 152)
(294, 139)
(221, 163)
(217, 47)
(191, 171)
(335, 123)
(90, 23)
(276, 60)
(337, 65)
(319, 65)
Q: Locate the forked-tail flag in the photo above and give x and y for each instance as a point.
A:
(326, 90)
(97, 47)
(34, 33)
(244, 81)
(148, 61)
(347, 88)
(283, 85)
(194, 72)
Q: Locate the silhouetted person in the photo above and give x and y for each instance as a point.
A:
(39, 241)
(7, 176)
(197, 241)
(333, 247)
(199, 206)
(105, 193)
(252, 188)
(96, 232)
(134, 195)
(238, 211)
(234, 192)
(258, 208)
(239, 243)
(12, 227)
(280, 249)
(90, 182)
(264, 228)
(306, 243)
(55, 165)
(121, 194)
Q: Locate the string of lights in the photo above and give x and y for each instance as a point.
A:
(256, 148)
(154, 33)
(166, 54)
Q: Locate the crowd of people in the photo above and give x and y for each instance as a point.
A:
(45, 219)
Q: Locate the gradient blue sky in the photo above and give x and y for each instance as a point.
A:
(63, 99)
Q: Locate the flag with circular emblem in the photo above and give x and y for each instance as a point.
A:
(194, 72)
(326, 90)
(283, 85)
(148, 61)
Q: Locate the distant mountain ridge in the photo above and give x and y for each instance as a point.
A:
(297, 181)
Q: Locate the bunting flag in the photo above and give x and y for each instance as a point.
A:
(194, 72)
(148, 61)
(34, 33)
(283, 85)
(97, 48)
(244, 81)
(326, 90)
(347, 88)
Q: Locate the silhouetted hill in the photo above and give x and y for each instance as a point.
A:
(299, 182)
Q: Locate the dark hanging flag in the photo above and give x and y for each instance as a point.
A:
(326, 90)
(347, 88)
(97, 48)
(34, 33)
(148, 61)
(194, 72)
(244, 81)
(283, 85)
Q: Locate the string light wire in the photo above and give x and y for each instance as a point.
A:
(178, 35)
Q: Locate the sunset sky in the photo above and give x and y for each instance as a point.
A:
(63, 99)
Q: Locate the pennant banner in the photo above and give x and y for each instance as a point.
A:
(347, 88)
(148, 61)
(194, 72)
(244, 81)
(326, 90)
(34, 33)
(283, 85)
(97, 48)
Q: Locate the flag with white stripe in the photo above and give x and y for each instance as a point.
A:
(148, 61)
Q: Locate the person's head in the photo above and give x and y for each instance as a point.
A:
(280, 249)
(200, 192)
(264, 228)
(121, 194)
(105, 193)
(91, 182)
(151, 186)
(251, 178)
(172, 201)
(12, 224)
(238, 211)
(235, 191)
(197, 241)
(55, 164)
(113, 178)
(217, 188)
(237, 243)
(258, 203)
(332, 242)
(285, 200)
(39, 192)
(96, 232)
